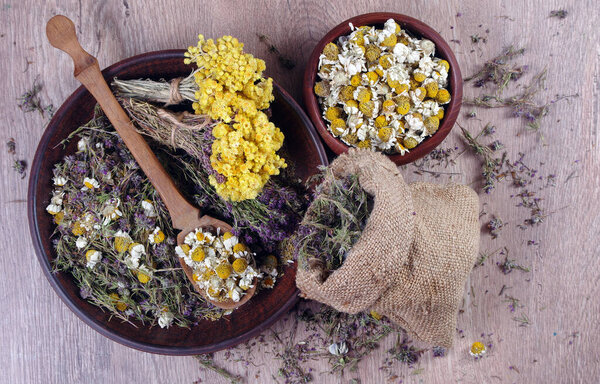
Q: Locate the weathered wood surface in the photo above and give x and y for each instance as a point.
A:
(42, 341)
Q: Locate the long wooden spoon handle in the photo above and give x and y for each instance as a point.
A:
(60, 31)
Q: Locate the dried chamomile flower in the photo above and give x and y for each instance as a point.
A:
(443, 96)
(382, 78)
(388, 106)
(338, 126)
(432, 89)
(366, 107)
(372, 53)
(477, 349)
(364, 144)
(333, 113)
(363, 95)
(321, 89)
(432, 124)
(385, 133)
(222, 266)
(380, 121)
(410, 142)
(331, 51)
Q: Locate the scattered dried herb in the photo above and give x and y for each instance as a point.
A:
(513, 303)
(438, 351)
(354, 335)
(20, 166)
(491, 165)
(495, 225)
(404, 352)
(509, 265)
(559, 13)
(476, 39)
(11, 146)
(285, 61)
(292, 355)
(483, 256)
(523, 320)
(207, 362)
(30, 101)
(498, 70)
(439, 157)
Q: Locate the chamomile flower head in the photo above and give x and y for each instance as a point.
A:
(92, 257)
(53, 209)
(157, 236)
(148, 208)
(144, 274)
(165, 319)
(90, 184)
(81, 242)
(122, 240)
(59, 181)
(477, 349)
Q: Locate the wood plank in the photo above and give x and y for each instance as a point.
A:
(44, 342)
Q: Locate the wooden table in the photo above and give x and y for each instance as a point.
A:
(42, 341)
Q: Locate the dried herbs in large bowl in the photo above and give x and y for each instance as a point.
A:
(301, 147)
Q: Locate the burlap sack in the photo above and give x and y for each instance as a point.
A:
(413, 257)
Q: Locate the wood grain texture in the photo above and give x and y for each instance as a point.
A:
(42, 341)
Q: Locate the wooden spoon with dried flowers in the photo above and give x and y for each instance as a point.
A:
(60, 31)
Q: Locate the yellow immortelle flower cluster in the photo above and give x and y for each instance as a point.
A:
(232, 90)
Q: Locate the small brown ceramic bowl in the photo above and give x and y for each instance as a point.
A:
(301, 144)
(414, 27)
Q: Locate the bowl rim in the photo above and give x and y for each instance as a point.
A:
(415, 26)
(32, 202)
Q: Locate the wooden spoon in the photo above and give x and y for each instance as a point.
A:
(60, 31)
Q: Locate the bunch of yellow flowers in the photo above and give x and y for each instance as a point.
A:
(245, 153)
(231, 89)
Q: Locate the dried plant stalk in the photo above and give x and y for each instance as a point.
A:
(167, 92)
(182, 130)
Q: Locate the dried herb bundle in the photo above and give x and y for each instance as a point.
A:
(183, 130)
(333, 222)
(167, 92)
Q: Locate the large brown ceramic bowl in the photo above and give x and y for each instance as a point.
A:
(303, 146)
(415, 28)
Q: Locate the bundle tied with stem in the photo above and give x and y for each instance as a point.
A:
(171, 92)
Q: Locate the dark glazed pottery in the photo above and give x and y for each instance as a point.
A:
(301, 144)
(414, 27)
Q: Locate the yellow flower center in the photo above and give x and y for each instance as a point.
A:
(185, 249)
(240, 265)
(478, 348)
(376, 315)
(159, 237)
(198, 254)
(142, 277)
(223, 270)
(239, 247)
